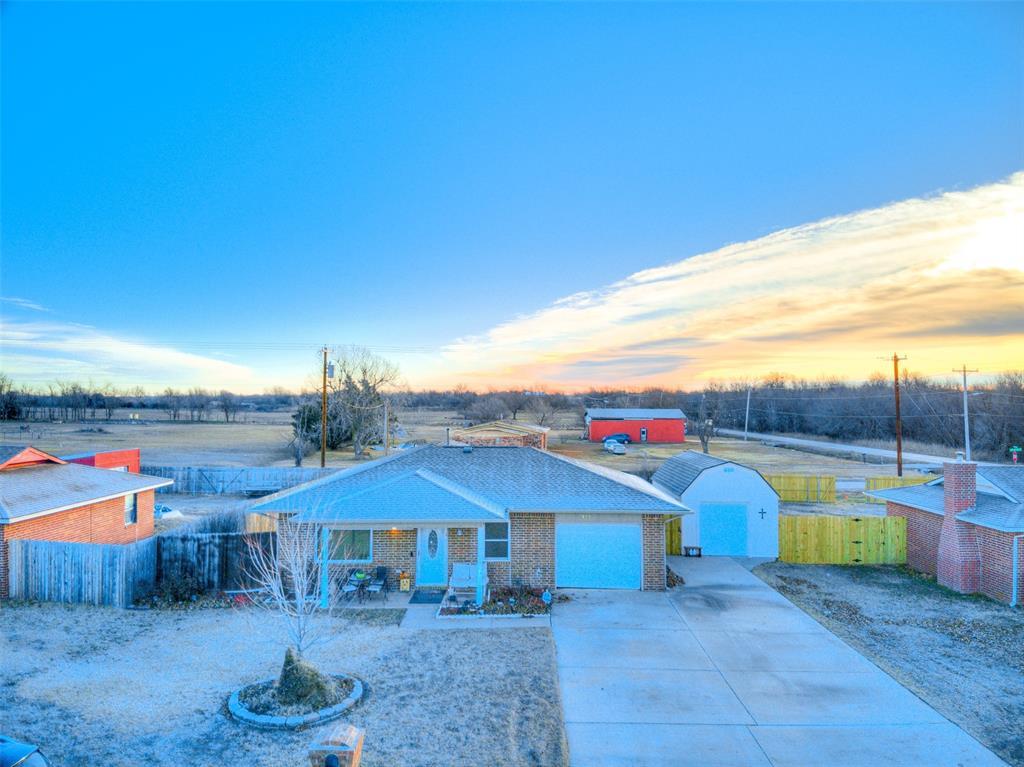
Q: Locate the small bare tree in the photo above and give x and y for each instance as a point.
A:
(705, 425)
(289, 575)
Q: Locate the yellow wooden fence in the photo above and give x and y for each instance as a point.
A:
(674, 537)
(884, 483)
(840, 540)
(803, 488)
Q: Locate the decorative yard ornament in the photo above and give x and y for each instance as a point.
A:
(546, 597)
(1014, 452)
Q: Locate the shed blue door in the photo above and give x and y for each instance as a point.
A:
(723, 529)
(598, 556)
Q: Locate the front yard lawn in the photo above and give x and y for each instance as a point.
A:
(105, 686)
(964, 655)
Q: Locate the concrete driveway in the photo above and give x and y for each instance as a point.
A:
(726, 671)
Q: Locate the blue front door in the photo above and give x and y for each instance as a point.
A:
(723, 529)
(432, 556)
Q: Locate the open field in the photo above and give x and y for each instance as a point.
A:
(766, 459)
(102, 686)
(262, 439)
(961, 654)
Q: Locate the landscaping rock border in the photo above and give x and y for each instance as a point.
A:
(268, 722)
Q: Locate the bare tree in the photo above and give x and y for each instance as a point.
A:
(542, 409)
(228, 405)
(198, 401)
(289, 575)
(515, 401)
(490, 408)
(705, 426)
(172, 403)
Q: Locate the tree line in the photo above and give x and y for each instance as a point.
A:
(365, 386)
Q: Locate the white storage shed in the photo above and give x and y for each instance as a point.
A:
(735, 510)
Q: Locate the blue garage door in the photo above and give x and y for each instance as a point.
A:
(723, 529)
(598, 556)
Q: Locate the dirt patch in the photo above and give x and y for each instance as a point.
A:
(961, 654)
(117, 687)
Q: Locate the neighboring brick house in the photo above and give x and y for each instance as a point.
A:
(966, 528)
(534, 518)
(504, 434)
(46, 498)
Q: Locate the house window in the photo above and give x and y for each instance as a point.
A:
(131, 509)
(350, 545)
(496, 540)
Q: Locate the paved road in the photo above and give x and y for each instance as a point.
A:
(838, 447)
(726, 671)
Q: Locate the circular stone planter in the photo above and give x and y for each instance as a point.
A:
(268, 722)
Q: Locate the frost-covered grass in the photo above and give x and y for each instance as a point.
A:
(106, 686)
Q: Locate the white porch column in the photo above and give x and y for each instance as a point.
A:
(325, 582)
(481, 566)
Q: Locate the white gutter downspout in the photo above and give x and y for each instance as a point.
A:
(1016, 569)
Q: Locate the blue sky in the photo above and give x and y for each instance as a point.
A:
(201, 177)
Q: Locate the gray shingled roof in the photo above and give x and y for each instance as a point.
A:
(1009, 479)
(512, 478)
(632, 413)
(990, 510)
(46, 487)
(414, 496)
(680, 471)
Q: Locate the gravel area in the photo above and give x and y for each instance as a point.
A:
(105, 686)
(964, 655)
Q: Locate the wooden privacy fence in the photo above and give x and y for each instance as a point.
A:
(840, 540)
(84, 573)
(215, 560)
(226, 480)
(884, 483)
(674, 537)
(803, 488)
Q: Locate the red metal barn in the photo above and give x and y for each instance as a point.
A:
(121, 460)
(641, 424)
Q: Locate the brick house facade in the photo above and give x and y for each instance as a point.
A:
(531, 559)
(547, 521)
(46, 498)
(966, 528)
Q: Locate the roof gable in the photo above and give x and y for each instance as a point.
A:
(504, 427)
(13, 456)
(412, 496)
(511, 478)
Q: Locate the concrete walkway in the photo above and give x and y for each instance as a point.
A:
(726, 671)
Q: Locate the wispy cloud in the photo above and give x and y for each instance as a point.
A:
(23, 303)
(37, 353)
(935, 277)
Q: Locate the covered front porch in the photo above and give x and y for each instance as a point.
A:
(432, 555)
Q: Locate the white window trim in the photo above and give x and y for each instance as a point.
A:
(136, 504)
(507, 539)
(326, 544)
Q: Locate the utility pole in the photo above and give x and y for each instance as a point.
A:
(323, 415)
(746, 417)
(967, 425)
(899, 424)
(387, 429)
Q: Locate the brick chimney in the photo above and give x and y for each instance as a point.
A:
(959, 562)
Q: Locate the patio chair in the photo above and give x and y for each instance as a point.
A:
(379, 583)
(463, 582)
(348, 585)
